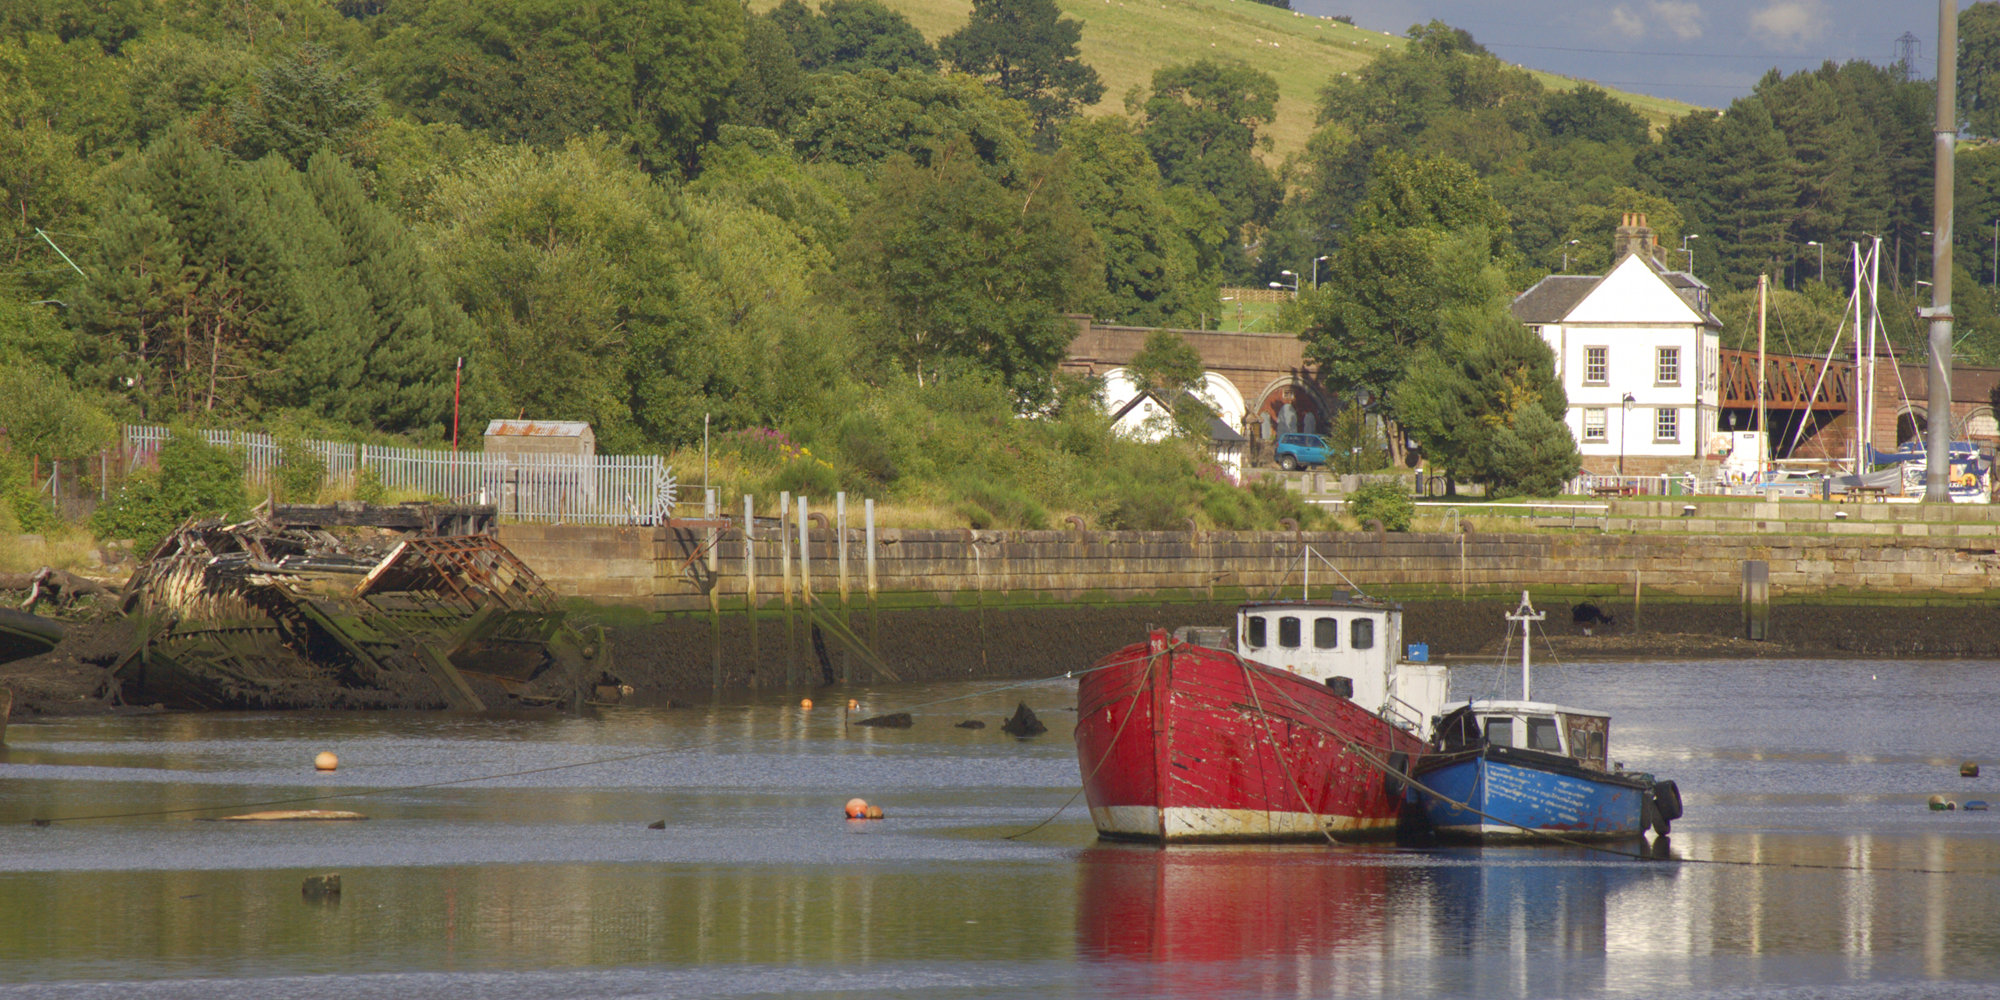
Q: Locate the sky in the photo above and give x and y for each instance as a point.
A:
(1705, 52)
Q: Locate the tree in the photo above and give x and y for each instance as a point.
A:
(1153, 273)
(961, 271)
(1585, 112)
(1979, 67)
(1487, 407)
(656, 76)
(865, 118)
(1170, 368)
(1201, 127)
(861, 34)
(1027, 52)
(301, 103)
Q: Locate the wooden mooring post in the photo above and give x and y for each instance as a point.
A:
(708, 511)
(840, 550)
(785, 588)
(750, 574)
(1756, 599)
(868, 539)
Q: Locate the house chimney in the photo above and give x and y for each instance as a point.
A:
(1633, 236)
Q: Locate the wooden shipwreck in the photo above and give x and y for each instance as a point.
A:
(276, 613)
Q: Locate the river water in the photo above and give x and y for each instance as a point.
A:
(1809, 778)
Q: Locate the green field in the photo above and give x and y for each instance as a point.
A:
(1126, 40)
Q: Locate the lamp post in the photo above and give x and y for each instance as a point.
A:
(1294, 286)
(1624, 423)
(1690, 252)
(1316, 263)
(1566, 247)
(1822, 258)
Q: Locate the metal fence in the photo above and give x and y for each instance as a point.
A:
(597, 489)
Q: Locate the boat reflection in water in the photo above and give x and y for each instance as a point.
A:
(1305, 921)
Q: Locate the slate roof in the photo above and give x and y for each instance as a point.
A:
(1553, 297)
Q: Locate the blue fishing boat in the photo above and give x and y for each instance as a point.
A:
(1525, 769)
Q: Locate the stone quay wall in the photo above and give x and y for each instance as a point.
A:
(665, 570)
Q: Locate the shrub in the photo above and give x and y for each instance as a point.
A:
(368, 486)
(194, 479)
(805, 476)
(300, 472)
(1383, 501)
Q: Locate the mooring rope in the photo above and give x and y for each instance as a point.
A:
(1152, 659)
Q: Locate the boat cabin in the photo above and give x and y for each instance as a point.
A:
(1579, 734)
(1329, 639)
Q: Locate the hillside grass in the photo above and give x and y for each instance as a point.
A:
(1126, 40)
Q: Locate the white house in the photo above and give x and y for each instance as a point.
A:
(1637, 351)
(1139, 415)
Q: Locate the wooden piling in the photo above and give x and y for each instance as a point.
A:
(1756, 599)
(840, 548)
(785, 588)
(750, 575)
(868, 519)
(708, 511)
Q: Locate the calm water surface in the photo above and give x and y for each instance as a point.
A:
(550, 884)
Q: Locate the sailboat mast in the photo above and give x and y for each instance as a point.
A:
(1763, 431)
(1861, 416)
(1874, 324)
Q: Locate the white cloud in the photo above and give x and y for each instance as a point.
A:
(1679, 18)
(1789, 22)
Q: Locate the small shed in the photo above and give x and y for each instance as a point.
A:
(539, 467)
(541, 437)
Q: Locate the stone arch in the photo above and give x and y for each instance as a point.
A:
(1307, 408)
(1911, 424)
(1119, 388)
(1222, 396)
(1978, 426)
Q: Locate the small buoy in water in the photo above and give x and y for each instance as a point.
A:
(857, 808)
(1976, 805)
(805, 703)
(874, 812)
(1941, 804)
(1969, 769)
(852, 704)
(326, 761)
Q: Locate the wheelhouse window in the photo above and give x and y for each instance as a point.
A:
(1361, 635)
(1543, 734)
(1596, 366)
(1500, 732)
(1667, 368)
(1256, 632)
(1667, 425)
(1326, 633)
(1593, 424)
(1288, 632)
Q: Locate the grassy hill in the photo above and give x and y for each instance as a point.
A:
(1126, 40)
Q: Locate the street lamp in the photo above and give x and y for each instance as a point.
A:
(1624, 423)
(1294, 286)
(1686, 250)
(1822, 258)
(1323, 257)
(1566, 247)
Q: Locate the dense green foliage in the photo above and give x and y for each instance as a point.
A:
(1386, 502)
(193, 479)
(815, 222)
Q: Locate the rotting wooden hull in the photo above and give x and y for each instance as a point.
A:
(1179, 742)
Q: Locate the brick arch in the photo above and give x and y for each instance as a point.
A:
(1303, 397)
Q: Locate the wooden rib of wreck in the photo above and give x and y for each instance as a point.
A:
(273, 613)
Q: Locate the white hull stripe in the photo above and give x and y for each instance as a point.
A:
(1187, 823)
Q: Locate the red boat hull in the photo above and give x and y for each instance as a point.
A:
(1179, 742)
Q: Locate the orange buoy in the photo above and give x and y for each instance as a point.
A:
(852, 704)
(874, 812)
(857, 808)
(805, 703)
(326, 761)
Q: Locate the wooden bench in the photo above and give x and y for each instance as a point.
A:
(1614, 490)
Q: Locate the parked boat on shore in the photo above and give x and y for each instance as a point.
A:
(1524, 769)
(1293, 725)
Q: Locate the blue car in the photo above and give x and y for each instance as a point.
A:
(1296, 451)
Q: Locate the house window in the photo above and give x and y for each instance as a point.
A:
(1593, 424)
(1667, 371)
(1666, 425)
(1596, 366)
(1326, 633)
